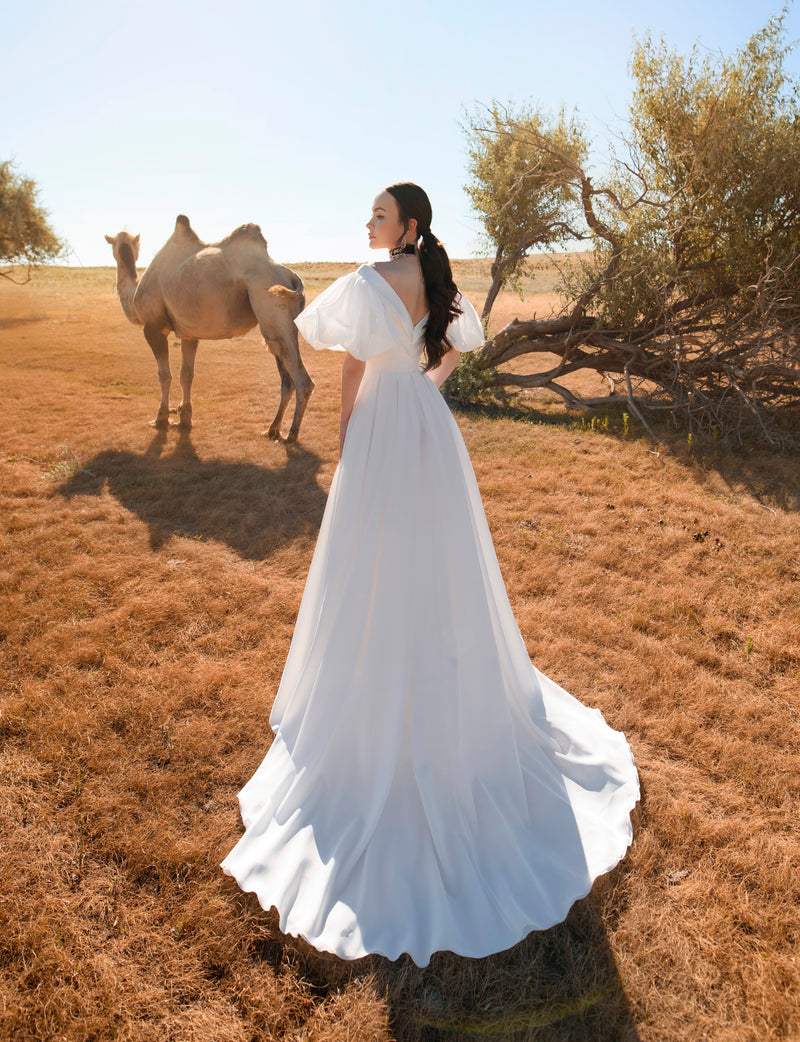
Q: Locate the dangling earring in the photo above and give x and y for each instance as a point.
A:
(400, 248)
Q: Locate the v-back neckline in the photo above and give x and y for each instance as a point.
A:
(397, 296)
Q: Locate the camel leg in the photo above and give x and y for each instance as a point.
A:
(287, 388)
(188, 353)
(160, 348)
(287, 350)
(275, 310)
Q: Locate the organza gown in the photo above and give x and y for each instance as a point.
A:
(427, 788)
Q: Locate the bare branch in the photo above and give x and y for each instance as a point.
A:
(10, 277)
(692, 295)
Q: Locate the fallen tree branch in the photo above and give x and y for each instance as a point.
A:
(9, 276)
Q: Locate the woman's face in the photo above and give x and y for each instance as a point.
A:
(385, 227)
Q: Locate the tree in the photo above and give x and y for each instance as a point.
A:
(516, 188)
(690, 299)
(25, 233)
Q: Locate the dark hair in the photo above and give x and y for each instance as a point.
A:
(440, 289)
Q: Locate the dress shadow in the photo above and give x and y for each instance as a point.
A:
(556, 985)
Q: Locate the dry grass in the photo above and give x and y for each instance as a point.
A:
(148, 591)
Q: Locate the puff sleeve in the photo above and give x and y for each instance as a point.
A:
(349, 316)
(465, 332)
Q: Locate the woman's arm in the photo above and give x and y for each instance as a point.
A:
(352, 371)
(444, 368)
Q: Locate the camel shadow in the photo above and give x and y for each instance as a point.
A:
(252, 508)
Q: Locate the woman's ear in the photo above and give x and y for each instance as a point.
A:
(411, 232)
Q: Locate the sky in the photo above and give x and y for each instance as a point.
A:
(294, 115)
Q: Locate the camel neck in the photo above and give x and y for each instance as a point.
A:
(126, 287)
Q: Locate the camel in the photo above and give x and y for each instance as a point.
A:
(214, 291)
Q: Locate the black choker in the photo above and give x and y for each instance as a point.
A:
(398, 251)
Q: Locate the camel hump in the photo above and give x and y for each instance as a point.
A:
(245, 233)
(184, 233)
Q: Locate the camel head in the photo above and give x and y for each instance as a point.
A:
(126, 251)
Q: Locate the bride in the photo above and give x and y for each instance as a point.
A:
(427, 788)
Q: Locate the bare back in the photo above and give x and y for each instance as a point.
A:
(406, 280)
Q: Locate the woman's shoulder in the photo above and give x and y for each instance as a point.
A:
(346, 315)
(376, 266)
(466, 332)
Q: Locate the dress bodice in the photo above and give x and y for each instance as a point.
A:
(405, 357)
(363, 314)
(394, 362)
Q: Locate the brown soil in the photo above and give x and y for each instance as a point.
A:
(148, 591)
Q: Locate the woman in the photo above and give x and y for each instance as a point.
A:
(427, 788)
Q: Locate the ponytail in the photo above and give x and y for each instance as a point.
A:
(440, 289)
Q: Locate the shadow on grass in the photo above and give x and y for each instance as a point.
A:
(514, 411)
(251, 508)
(21, 320)
(556, 985)
(771, 477)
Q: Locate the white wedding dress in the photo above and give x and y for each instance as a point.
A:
(427, 788)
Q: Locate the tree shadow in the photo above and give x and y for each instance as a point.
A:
(770, 476)
(772, 479)
(250, 507)
(510, 410)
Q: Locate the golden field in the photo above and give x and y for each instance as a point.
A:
(148, 591)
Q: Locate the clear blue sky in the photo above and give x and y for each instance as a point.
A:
(294, 115)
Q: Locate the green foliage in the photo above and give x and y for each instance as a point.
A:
(516, 186)
(710, 187)
(748, 646)
(66, 466)
(25, 234)
(705, 200)
(690, 297)
(468, 382)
